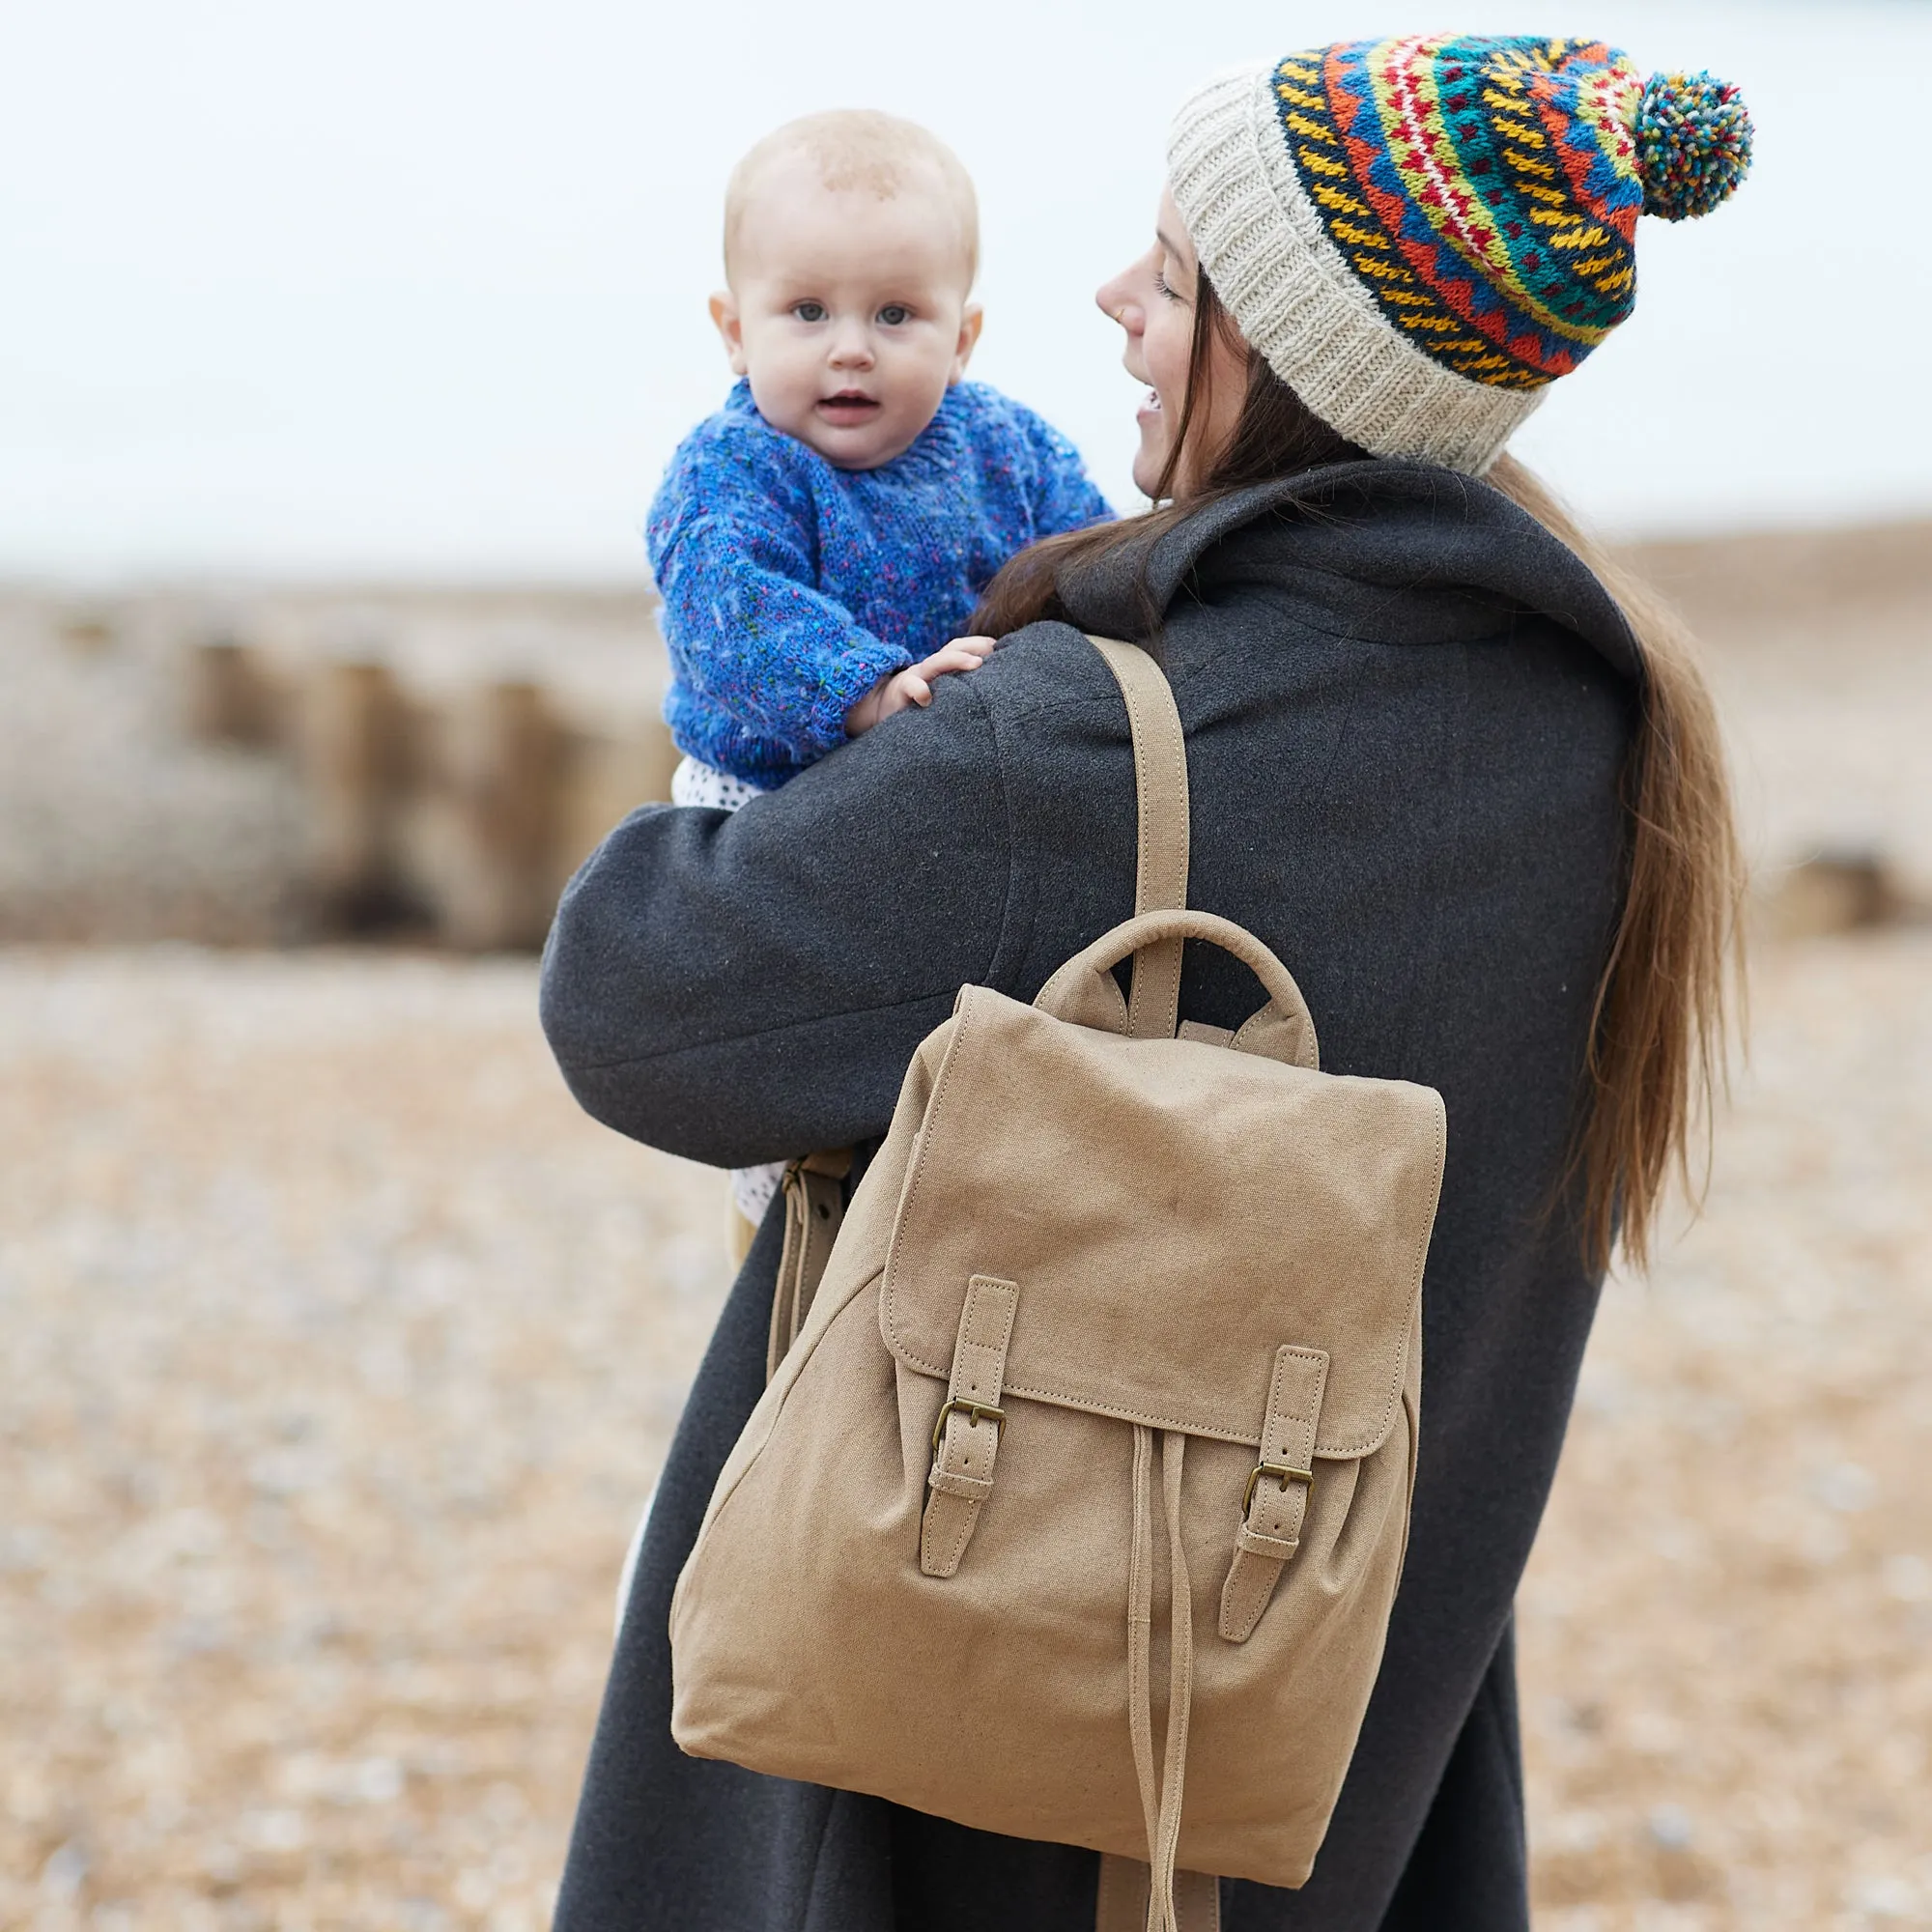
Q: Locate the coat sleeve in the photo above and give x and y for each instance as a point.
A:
(748, 629)
(741, 987)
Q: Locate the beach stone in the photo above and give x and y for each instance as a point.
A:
(343, 1349)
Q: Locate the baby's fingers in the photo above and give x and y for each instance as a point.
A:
(957, 656)
(915, 686)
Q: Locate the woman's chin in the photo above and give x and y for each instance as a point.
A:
(1147, 465)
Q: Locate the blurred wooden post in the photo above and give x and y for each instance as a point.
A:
(354, 750)
(230, 695)
(87, 633)
(1835, 891)
(503, 765)
(606, 776)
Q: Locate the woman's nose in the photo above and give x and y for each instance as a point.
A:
(1117, 305)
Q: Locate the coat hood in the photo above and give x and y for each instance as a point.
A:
(1397, 552)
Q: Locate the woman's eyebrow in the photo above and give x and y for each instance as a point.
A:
(1175, 252)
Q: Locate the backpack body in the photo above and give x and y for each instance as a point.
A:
(1076, 1509)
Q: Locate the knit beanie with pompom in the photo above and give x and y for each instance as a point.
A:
(1421, 234)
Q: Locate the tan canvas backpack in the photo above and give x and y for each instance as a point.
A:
(1116, 1352)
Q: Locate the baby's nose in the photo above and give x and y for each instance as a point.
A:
(852, 348)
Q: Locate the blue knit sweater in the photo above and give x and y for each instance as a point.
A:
(791, 587)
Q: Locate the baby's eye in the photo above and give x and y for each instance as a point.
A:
(894, 313)
(809, 311)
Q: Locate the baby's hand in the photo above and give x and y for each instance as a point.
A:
(914, 684)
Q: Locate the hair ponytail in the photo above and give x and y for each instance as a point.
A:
(1659, 1034)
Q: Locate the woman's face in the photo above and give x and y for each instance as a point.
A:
(1153, 300)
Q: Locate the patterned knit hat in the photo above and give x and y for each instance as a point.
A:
(1421, 234)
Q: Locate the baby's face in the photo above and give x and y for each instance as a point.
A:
(848, 313)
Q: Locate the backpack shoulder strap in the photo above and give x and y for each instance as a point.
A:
(814, 1190)
(1160, 873)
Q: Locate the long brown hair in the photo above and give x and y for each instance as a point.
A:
(1658, 1040)
(1275, 435)
(1675, 971)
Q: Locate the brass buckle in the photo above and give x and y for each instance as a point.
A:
(1287, 1476)
(978, 1410)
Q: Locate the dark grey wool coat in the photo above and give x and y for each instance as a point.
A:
(1407, 707)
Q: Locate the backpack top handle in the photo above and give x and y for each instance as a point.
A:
(1085, 991)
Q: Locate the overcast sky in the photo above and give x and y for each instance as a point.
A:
(412, 285)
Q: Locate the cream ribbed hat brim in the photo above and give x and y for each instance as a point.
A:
(1296, 299)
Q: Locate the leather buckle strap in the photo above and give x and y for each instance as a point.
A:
(1281, 1486)
(963, 1450)
(974, 1411)
(1282, 1474)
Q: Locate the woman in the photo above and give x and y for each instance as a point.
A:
(1443, 761)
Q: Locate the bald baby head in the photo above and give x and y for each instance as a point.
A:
(850, 244)
(860, 153)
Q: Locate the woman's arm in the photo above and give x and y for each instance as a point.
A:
(742, 987)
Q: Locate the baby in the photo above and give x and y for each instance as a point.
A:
(822, 540)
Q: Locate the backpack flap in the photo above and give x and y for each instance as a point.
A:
(1172, 1214)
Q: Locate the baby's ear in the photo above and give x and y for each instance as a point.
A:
(725, 319)
(971, 320)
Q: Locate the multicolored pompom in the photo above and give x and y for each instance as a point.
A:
(1693, 143)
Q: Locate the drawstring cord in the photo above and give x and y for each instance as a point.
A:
(1160, 1805)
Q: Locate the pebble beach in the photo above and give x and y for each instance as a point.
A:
(340, 1351)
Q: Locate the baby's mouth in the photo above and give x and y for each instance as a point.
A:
(847, 407)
